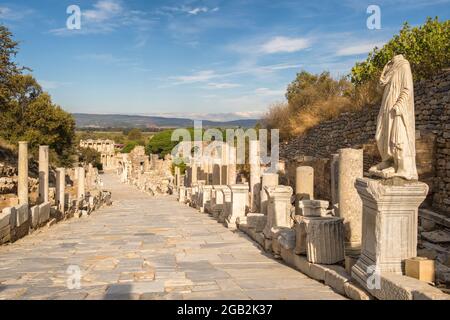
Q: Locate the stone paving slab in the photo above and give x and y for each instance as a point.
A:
(147, 248)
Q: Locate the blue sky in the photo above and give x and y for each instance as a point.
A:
(188, 58)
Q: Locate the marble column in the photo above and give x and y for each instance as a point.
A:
(390, 222)
(324, 239)
(216, 180)
(81, 192)
(255, 175)
(60, 188)
(231, 172)
(22, 186)
(194, 177)
(334, 173)
(351, 167)
(304, 186)
(268, 180)
(224, 162)
(43, 174)
(239, 194)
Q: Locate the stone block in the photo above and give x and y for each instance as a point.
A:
(336, 277)
(316, 271)
(5, 226)
(44, 213)
(397, 287)
(300, 237)
(420, 268)
(21, 214)
(11, 212)
(286, 238)
(288, 256)
(314, 208)
(34, 213)
(350, 261)
(302, 264)
(324, 239)
(256, 221)
(355, 292)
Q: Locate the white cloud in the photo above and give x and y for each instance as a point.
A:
(224, 85)
(186, 10)
(199, 76)
(209, 75)
(107, 16)
(196, 11)
(284, 44)
(103, 10)
(14, 14)
(354, 50)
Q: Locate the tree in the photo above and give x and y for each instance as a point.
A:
(8, 68)
(26, 112)
(92, 156)
(427, 48)
(135, 134)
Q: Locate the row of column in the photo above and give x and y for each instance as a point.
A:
(22, 187)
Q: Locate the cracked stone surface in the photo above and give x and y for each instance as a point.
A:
(146, 248)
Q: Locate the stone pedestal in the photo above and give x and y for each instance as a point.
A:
(205, 198)
(324, 239)
(239, 193)
(81, 192)
(278, 209)
(268, 180)
(304, 186)
(226, 193)
(182, 194)
(60, 188)
(216, 174)
(255, 175)
(188, 195)
(43, 174)
(350, 206)
(22, 185)
(390, 220)
(218, 203)
(194, 174)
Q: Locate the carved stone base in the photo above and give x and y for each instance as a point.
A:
(390, 219)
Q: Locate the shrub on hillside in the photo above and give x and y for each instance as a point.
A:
(426, 47)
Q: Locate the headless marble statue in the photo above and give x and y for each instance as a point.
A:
(396, 123)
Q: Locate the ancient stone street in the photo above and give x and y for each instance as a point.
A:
(146, 247)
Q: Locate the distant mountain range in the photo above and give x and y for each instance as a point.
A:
(99, 121)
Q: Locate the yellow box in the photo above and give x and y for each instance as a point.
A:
(420, 268)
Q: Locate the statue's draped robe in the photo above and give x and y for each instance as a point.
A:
(396, 122)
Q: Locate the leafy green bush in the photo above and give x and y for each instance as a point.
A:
(427, 48)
